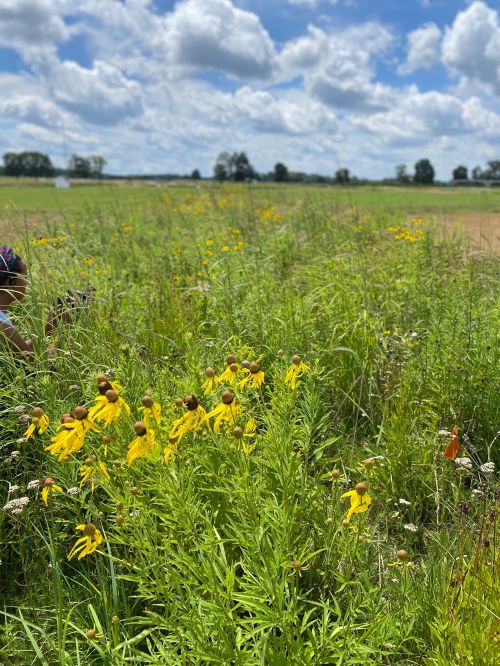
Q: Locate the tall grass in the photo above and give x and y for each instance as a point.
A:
(227, 556)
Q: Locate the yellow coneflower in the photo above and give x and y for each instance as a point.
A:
(72, 433)
(360, 501)
(169, 450)
(92, 469)
(248, 432)
(254, 375)
(295, 371)
(227, 411)
(39, 420)
(193, 418)
(211, 383)
(230, 373)
(49, 486)
(86, 544)
(105, 384)
(108, 408)
(141, 444)
(151, 409)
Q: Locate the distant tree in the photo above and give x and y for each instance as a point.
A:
(79, 167)
(342, 176)
(424, 172)
(460, 173)
(401, 175)
(280, 174)
(30, 163)
(477, 173)
(223, 167)
(493, 170)
(195, 174)
(235, 167)
(97, 164)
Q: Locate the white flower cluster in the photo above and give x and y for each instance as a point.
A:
(16, 506)
(410, 527)
(464, 463)
(404, 502)
(74, 491)
(488, 468)
(33, 484)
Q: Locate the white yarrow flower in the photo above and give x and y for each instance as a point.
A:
(410, 527)
(74, 491)
(15, 506)
(465, 462)
(488, 468)
(404, 502)
(33, 484)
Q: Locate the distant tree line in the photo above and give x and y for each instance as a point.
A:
(39, 165)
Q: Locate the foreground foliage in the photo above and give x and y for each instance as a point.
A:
(232, 544)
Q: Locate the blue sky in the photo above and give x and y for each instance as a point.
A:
(159, 86)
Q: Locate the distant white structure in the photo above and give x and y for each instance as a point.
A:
(61, 182)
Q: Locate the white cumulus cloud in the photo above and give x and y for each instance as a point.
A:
(32, 22)
(422, 49)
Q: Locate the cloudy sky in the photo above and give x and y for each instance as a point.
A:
(161, 86)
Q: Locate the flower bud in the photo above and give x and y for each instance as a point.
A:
(119, 506)
(134, 490)
(101, 377)
(238, 433)
(103, 387)
(49, 482)
(230, 358)
(147, 401)
(245, 364)
(179, 402)
(402, 555)
(335, 473)
(89, 460)
(227, 397)
(140, 428)
(107, 439)
(368, 463)
(280, 352)
(119, 519)
(361, 488)
(297, 565)
(233, 367)
(91, 634)
(210, 372)
(199, 431)
(66, 418)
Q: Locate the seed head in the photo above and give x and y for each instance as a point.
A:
(134, 490)
(119, 519)
(179, 402)
(361, 488)
(38, 412)
(89, 460)
(191, 402)
(402, 555)
(368, 463)
(89, 530)
(101, 377)
(140, 428)
(296, 359)
(280, 352)
(233, 367)
(80, 412)
(210, 372)
(254, 367)
(65, 417)
(230, 358)
(119, 506)
(246, 364)
(49, 482)
(238, 433)
(335, 473)
(227, 397)
(147, 401)
(111, 395)
(107, 439)
(103, 387)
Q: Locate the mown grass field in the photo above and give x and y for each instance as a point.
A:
(233, 545)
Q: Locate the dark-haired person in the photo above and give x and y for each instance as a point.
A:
(13, 284)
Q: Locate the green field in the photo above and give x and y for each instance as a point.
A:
(228, 541)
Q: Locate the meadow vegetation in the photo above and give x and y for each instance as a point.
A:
(229, 542)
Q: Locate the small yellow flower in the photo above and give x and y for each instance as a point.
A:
(87, 544)
(192, 419)
(72, 433)
(39, 420)
(91, 470)
(109, 407)
(230, 373)
(254, 376)
(49, 486)
(360, 501)
(295, 371)
(227, 411)
(151, 409)
(142, 444)
(211, 383)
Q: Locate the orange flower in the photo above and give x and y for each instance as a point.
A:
(451, 451)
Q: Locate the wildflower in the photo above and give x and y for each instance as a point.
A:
(254, 375)
(211, 383)
(230, 373)
(16, 506)
(72, 433)
(74, 491)
(226, 411)
(169, 450)
(86, 544)
(105, 384)
(453, 447)
(109, 407)
(49, 486)
(141, 444)
(193, 418)
(90, 470)
(488, 468)
(33, 484)
(151, 409)
(410, 527)
(13, 489)
(402, 560)
(360, 500)
(295, 371)
(464, 463)
(404, 502)
(39, 420)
